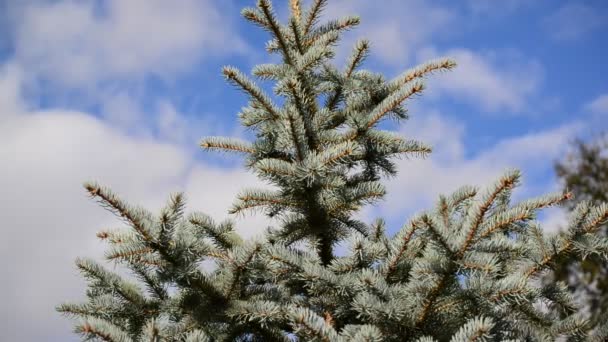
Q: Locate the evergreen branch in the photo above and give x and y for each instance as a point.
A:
(118, 207)
(237, 78)
(103, 330)
(378, 230)
(308, 322)
(263, 312)
(227, 144)
(475, 330)
(443, 209)
(388, 143)
(275, 167)
(518, 290)
(316, 52)
(461, 196)
(480, 262)
(250, 199)
(545, 201)
(502, 220)
(127, 253)
(313, 14)
(368, 191)
(431, 226)
(359, 55)
(266, 8)
(240, 267)
(597, 216)
(403, 239)
(301, 103)
(223, 235)
(537, 234)
(255, 17)
(295, 138)
(153, 282)
(75, 309)
(174, 209)
(297, 35)
(271, 71)
(127, 291)
(117, 237)
(476, 214)
(332, 27)
(152, 331)
(169, 217)
(336, 153)
(392, 101)
(426, 339)
(573, 327)
(284, 256)
(296, 9)
(579, 215)
(368, 333)
(421, 71)
(412, 147)
(430, 300)
(537, 268)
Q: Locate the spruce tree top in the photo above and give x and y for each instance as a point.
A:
(323, 148)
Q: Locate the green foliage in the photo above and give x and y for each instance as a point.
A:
(584, 171)
(466, 270)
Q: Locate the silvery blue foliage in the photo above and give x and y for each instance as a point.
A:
(466, 270)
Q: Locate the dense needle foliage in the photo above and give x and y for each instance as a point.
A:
(466, 270)
(584, 172)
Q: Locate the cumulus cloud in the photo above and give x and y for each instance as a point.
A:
(78, 43)
(492, 81)
(10, 83)
(47, 219)
(554, 219)
(396, 28)
(573, 20)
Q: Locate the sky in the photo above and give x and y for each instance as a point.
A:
(121, 92)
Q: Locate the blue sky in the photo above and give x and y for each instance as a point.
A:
(122, 91)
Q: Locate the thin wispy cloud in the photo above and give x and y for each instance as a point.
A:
(575, 19)
(82, 43)
(599, 105)
(493, 81)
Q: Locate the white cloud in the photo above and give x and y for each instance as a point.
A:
(79, 43)
(10, 83)
(554, 219)
(492, 81)
(121, 109)
(186, 129)
(47, 219)
(573, 20)
(396, 28)
(599, 105)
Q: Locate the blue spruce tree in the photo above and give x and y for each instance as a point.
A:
(466, 270)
